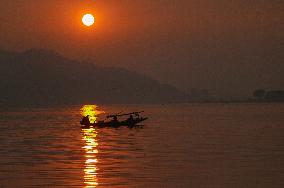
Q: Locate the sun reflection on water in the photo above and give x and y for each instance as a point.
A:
(91, 151)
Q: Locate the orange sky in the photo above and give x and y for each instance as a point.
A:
(183, 38)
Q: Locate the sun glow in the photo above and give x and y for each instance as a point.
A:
(88, 20)
(91, 111)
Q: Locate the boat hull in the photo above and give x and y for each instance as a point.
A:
(113, 124)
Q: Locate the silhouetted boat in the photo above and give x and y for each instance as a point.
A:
(130, 122)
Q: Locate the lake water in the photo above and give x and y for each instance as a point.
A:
(190, 145)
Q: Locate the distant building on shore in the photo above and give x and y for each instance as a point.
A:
(261, 95)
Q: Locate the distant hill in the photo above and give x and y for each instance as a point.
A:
(43, 77)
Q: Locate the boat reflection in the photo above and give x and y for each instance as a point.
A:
(91, 152)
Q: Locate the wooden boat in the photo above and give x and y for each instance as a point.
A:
(130, 122)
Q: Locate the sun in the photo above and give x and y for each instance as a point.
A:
(88, 20)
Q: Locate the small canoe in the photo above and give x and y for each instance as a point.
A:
(115, 124)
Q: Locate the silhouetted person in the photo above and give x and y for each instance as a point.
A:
(86, 120)
(137, 115)
(130, 118)
(114, 119)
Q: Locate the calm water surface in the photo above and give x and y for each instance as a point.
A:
(204, 145)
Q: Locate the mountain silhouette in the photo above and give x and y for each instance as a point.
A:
(44, 77)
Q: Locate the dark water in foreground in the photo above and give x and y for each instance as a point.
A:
(208, 145)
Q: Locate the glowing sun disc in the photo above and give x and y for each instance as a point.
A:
(88, 20)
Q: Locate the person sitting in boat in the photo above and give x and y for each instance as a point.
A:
(130, 118)
(85, 120)
(137, 115)
(114, 119)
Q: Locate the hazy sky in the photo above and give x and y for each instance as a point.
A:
(230, 47)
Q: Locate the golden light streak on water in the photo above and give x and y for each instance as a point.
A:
(91, 144)
(91, 111)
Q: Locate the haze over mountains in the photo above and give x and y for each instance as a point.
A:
(43, 77)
